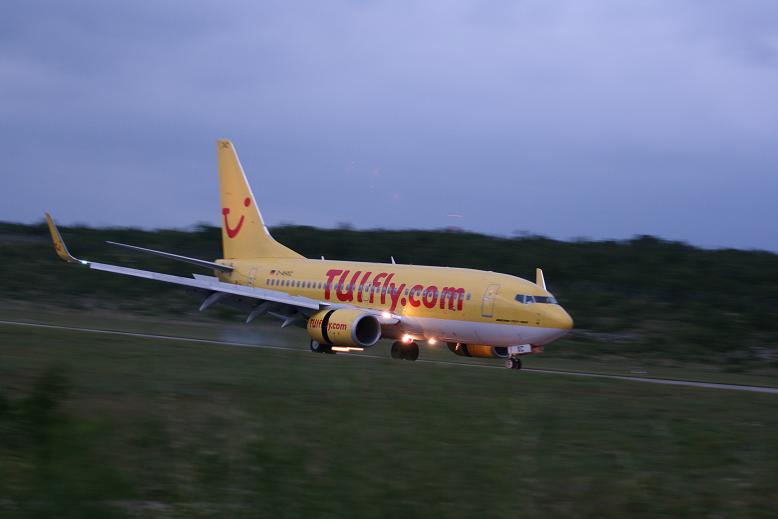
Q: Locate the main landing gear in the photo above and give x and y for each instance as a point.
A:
(318, 347)
(513, 363)
(405, 350)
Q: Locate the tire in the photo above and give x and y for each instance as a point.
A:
(318, 347)
(411, 352)
(397, 350)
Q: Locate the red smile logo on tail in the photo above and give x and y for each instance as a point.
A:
(232, 232)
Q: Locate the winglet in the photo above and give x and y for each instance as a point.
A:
(539, 279)
(59, 243)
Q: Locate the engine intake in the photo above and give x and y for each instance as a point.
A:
(478, 350)
(345, 327)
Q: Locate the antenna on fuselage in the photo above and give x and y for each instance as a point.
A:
(392, 258)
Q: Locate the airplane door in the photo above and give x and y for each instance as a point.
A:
(252, 275)
(487, 304)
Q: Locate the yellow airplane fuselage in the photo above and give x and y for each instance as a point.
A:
(409, 291)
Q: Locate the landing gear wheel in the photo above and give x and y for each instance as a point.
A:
(318, 347)
(411, 351)
(516, 363)
(397, 350)
(401, 350)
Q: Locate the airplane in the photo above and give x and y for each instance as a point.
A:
(348, 306)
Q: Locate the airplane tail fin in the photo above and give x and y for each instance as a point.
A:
(244, 235)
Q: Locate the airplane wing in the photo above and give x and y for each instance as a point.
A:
(268, 301)
(176, 257)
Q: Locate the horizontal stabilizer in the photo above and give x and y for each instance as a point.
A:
(176, 257)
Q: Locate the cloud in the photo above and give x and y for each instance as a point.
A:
(567, 118)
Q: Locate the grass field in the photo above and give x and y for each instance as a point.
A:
(94, 425)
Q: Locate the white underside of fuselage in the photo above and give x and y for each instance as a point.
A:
(469, 332)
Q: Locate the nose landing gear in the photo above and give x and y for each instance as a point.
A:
(513, 363)
(405, 351)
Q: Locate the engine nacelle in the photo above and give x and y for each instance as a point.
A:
(478, 350)
(345, 327)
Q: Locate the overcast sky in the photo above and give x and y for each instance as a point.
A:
(600, 119)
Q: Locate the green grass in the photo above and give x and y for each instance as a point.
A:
(94, 425)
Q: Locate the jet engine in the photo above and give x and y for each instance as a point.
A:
(345, 327)
(478, 350)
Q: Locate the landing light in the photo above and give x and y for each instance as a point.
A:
(407, 338)
(386, 315)
(432, 341)
(346, 349)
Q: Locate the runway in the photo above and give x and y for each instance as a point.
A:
(663, 381)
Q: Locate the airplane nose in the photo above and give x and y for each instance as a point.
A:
(557, 317)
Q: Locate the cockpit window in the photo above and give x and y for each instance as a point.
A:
(526, 299)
